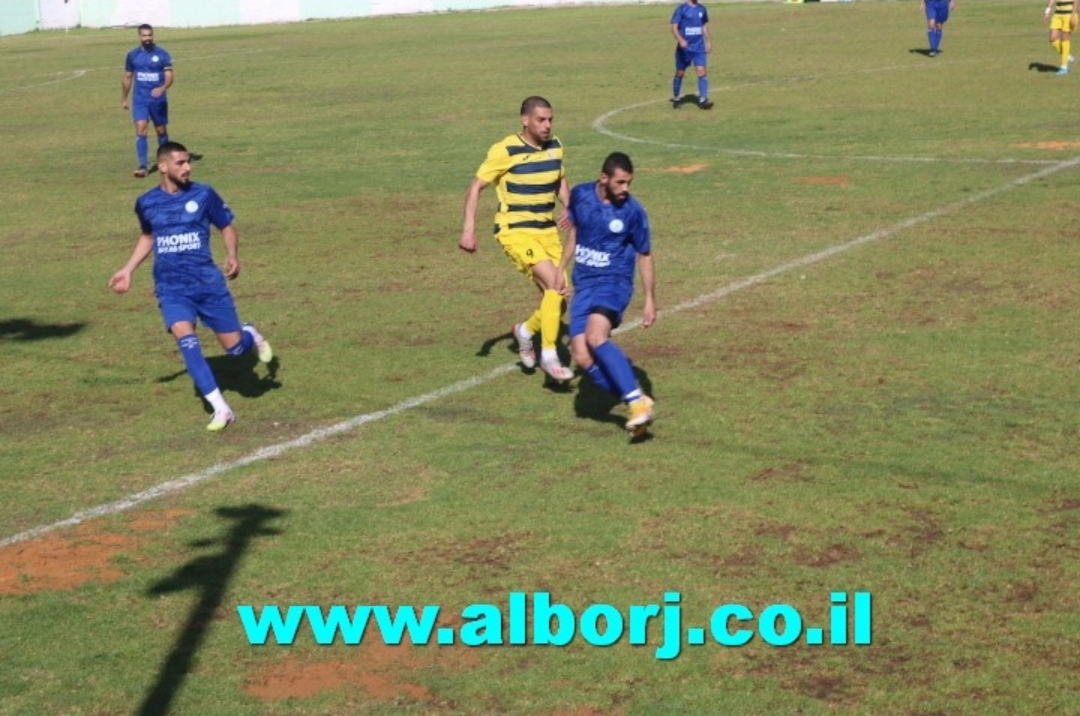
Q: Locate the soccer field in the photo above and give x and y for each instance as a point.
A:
(865, 372)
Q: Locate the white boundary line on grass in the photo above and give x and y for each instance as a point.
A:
(599, 124)
(272, 451)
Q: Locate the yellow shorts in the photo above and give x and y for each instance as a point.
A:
(527, 250)
(1061, 22)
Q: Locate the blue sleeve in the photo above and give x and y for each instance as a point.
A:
(166, 60)
(675, 15)
(219, 212)
(704, 15)
(129, 64)
(144, 221)
(575, 200)
(642, 234)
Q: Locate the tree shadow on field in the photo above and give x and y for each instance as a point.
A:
(209, 577)
(1042, 67)
(27, 329)
(594, 403)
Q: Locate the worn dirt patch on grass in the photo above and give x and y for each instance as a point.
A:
(688, 169)
(381, 672)
(69, 559)
(1058, 146)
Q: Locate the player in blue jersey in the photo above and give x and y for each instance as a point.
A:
(148, 70)
(690, 26)
(175, 220)
(609, 236)
(937, 12)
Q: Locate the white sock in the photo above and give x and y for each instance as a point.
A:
(549, 355)
(217, 401)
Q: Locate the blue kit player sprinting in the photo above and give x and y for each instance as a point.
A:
(609, 237)
(175, 220)
(690, 26)
(148, 69)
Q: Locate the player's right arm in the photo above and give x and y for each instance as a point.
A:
(678, 38)
(472, 201)
(125, 88)
(121, 280)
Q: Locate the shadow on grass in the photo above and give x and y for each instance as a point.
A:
(488, 346)
(238, 375)
(1042, 67)
(594, 403)
(209, 577)
(27, 329)
(924, 51)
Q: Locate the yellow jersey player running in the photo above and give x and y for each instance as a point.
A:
(1062, 18)
(527, 171)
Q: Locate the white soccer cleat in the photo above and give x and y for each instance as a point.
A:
(222, 419)
(526, 352)
(557, 371)
(266, 353)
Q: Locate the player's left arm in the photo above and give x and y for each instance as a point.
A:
(708, 38)
(160, 89)
(232, 248)
(563, 195)
(648, 283)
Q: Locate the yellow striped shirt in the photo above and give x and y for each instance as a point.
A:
(526, 180)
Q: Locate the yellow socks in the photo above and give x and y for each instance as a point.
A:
(550, 314)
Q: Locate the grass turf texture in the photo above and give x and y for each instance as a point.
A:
(899, 419)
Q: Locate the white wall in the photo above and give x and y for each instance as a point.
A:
(17, 16)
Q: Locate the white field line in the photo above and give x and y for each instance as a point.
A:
(272, 451)
(600, 125)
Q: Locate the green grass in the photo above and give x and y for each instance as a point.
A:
(900, 418)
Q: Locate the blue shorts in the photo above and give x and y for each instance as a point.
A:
(156, 111)
(609, 298)
(211, 304)
(685, 58)
(937, 10)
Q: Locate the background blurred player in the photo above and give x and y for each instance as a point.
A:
(1062, 18)
(147, 69)
(937, 12)
(690, 26)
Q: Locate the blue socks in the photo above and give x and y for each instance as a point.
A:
(197, 367)
(162, 138)
(617, 369)
(245, 344)
(676, 86)
(935, 39)
(599, 378)
(702, 87)
(140, 149)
